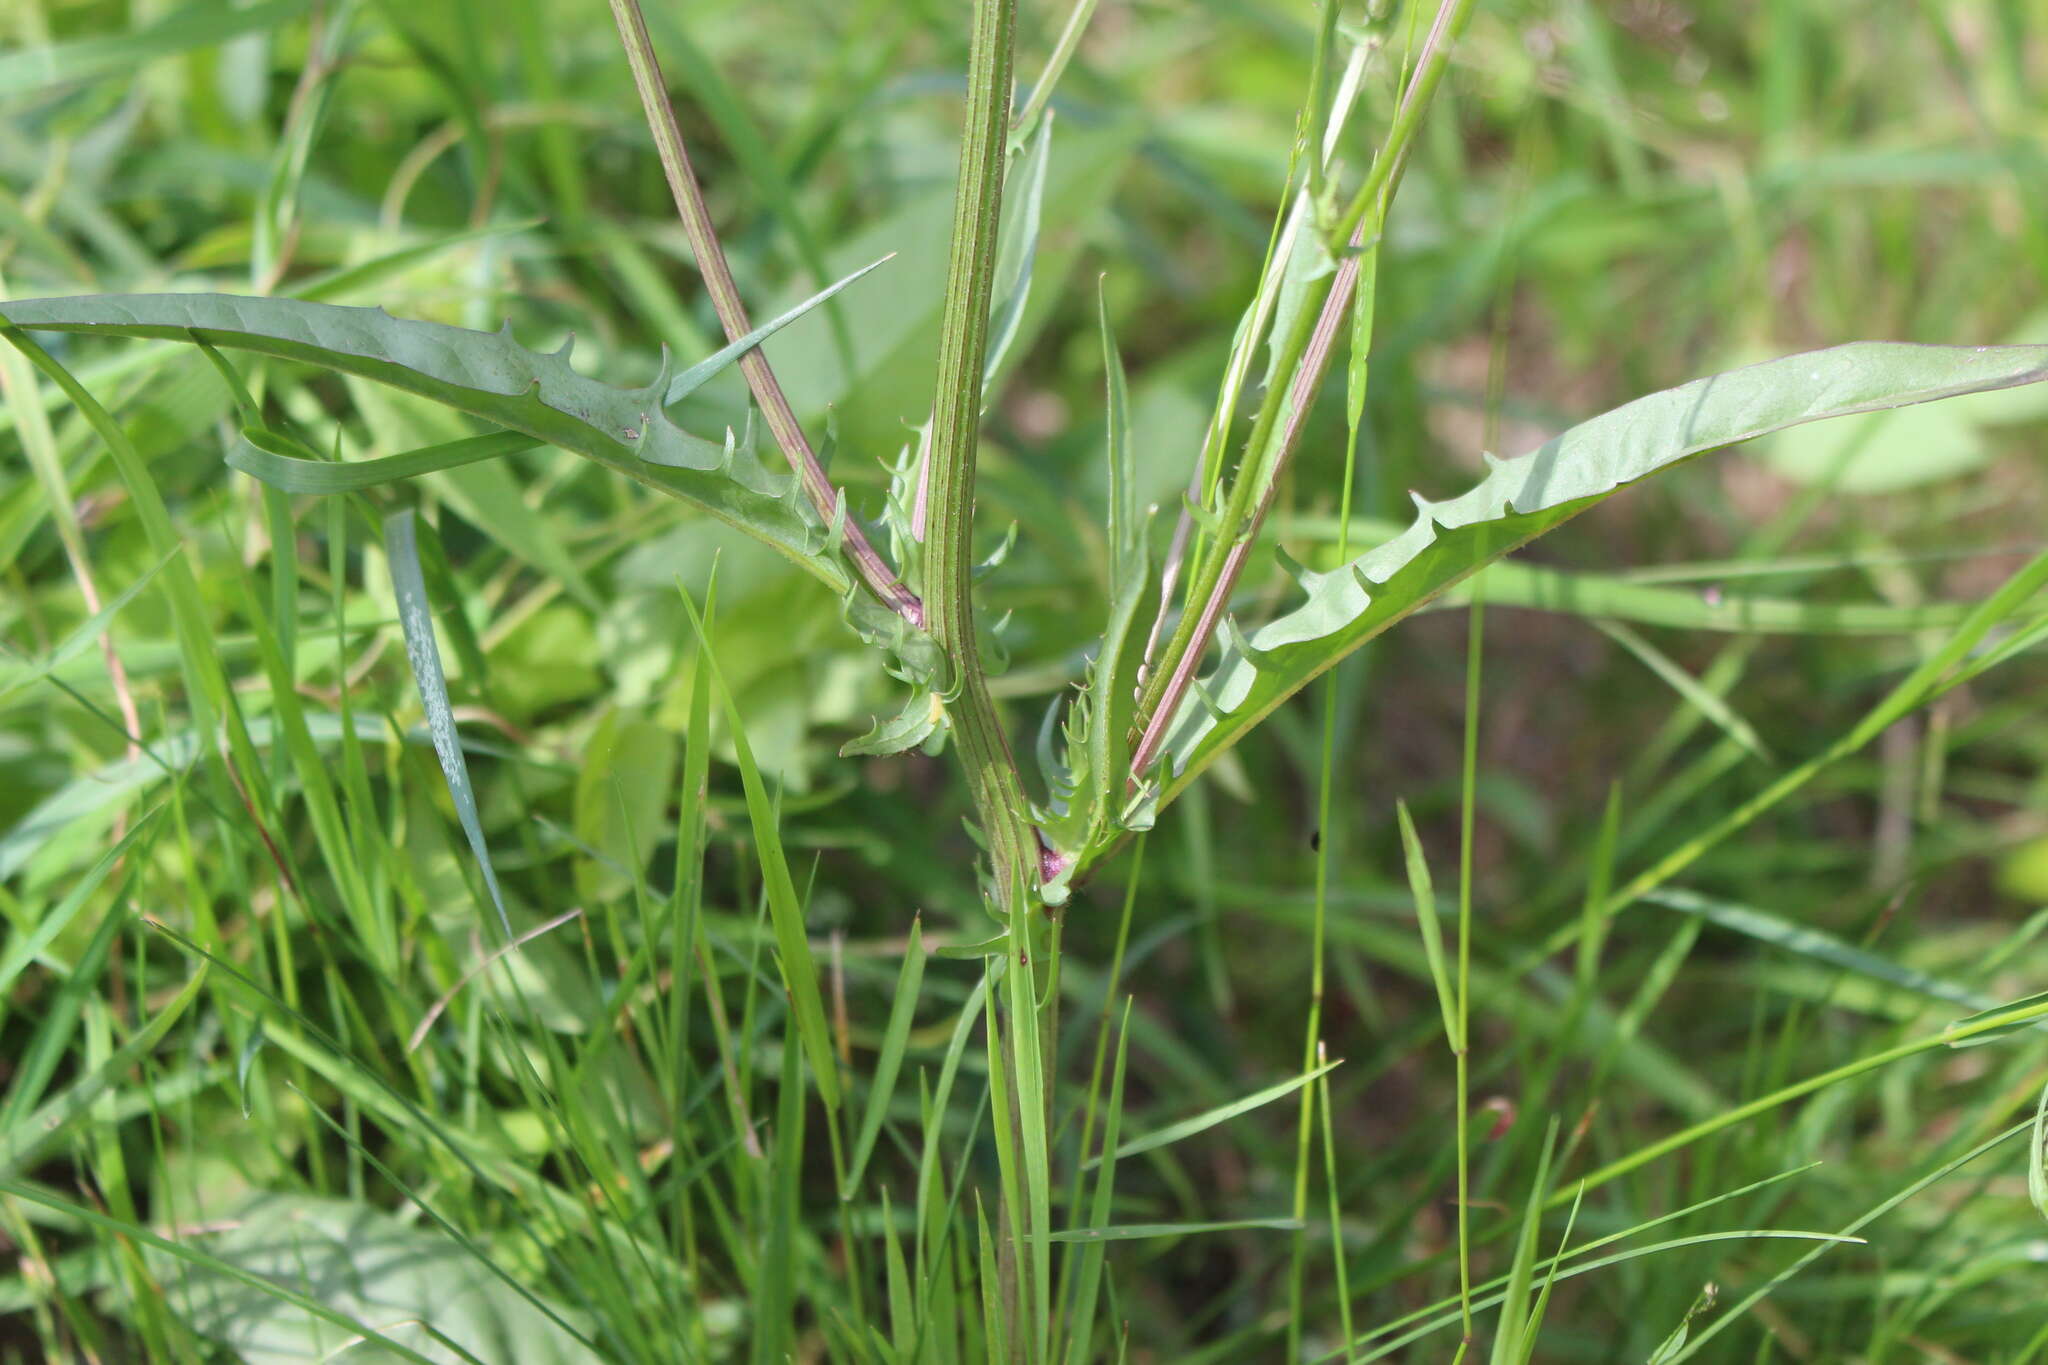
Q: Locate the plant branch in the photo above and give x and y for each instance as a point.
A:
(732, 315)
(999, 800)
(1306, 355)
(1213, 588)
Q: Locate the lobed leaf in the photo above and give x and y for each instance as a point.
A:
(1522, 498)
(485, 374)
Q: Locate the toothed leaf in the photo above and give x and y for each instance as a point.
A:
(922, 718)
(1523, 498)
(485, 374)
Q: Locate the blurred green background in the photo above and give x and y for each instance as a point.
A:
(1610, 198)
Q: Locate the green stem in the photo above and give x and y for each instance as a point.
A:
(984, 748)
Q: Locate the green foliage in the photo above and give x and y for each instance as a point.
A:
(1523, 498)
(422, 1290)
(428, 936)
(483, 374)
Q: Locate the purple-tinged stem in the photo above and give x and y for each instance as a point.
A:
(732, 314)
(1315, 363)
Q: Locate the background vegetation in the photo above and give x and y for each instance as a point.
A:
(596, 1148)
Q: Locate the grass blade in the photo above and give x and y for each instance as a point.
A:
(785, 913)
(1209, 1118)
(894, 1039)
(701, 373)
(416, 619)
(1421, 887)
(25, 1141)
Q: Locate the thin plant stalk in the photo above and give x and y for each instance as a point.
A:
(1474, 652)
(1213, 585)
(1312, 1041)
(828, 501)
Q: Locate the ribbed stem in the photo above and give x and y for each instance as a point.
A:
(984, 749)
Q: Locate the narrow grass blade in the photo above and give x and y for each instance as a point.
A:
(894, 1039)
(1998, 1023)
(1209, 1118)
(1136, 1232)
(1816, 944)
(778, 1276)
(211, 698)
(1511, 1345)
(993, 1327)
(23, 949)
(1535, 1323)
(56, 1030)
(1080, 1325)
(87, 635)
(33, 1134)
(1423, 889)
(1451, 1317)
(1596, 910)
(1055, 66)
(1028, 1077)
(1450, 1304)
(416, 619)
(1987, 1026)
(785, 912)
(701, 373)
(1847, 1235)
(1715, 708)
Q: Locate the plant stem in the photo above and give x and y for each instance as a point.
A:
(998, 792)
(1305, 357)
(874, 571)
(1213, 583)
(1475, 650)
